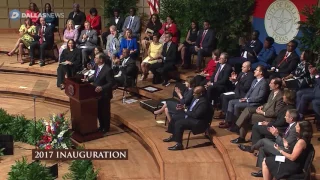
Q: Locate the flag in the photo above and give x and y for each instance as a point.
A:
(154, 6)
(278, 19)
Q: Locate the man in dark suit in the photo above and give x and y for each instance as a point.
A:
(104, 81)
(44, 39)
(196, 118)
(286, 62)
(132, 22)
(117, 21)
(254, 97)
(266, 146)
(241, 85)
(77, 16)
(249, 51)
(219, 82)
(128, 69)
(253, 114)
(88, 40)
(168, 62)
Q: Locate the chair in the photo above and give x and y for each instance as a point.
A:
(56, 28)
(53, 49)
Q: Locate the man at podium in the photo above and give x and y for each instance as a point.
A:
(103, 80)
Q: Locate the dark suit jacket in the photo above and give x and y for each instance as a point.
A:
(119, 25)
(78, 19)
(129, 68)
(253, 48)
(135, 26)
(105, 79)
(291, 137)
(280, 121)
(258, 93)
(272, 107)
(208, 41)
(243, 84)
(48, 35)
(287, 66)
(93, 38)
(223, 78)
(170, 54)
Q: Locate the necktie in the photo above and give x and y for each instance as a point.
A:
(284, 59)
(192, 106)
(98, 71)
(168, 46)
(130, 22)
(254, 83)
(217, 74)
(41, 34)
(203, 36)
(287, 130)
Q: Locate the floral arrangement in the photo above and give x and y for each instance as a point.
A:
(56, 134)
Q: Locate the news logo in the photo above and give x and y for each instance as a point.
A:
(14, 14)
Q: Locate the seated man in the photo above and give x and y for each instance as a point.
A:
(260, 129)
(219, 82)
(168, 62)
(127, 69)
(44, 39)
(266, 146)
(267, 110)
(113, 43)
(117, 21)
(266, 55)
(196, 118)
(286, 62)
(132, 22)
(249, 51)
(254, 97)
(241, 83)
(88, 40)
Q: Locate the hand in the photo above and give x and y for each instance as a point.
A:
(259, 111)
(68, 62)
(276, 146)
(285, 143)
(132, 51)
(243, 100)
(84, 36)
(260, 108)
(209, 83)
(89, 66)
(98, 89)
(121, 56)
(177, 90)
(264, 123)
(274, 131)
(196, 49)
(313, 71)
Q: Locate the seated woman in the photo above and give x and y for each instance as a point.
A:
(50, 17)
(184, 99)
(96, 51)
(154, 25)
(206, 74)
(33, 13)
(190, 40)
(71, 59)
(95, 20)
(27, 31)
(169, 27)
(300, 78)
(69, 33)
(154, 54)
(129, 43)
(294, 162)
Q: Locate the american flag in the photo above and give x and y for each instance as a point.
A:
(154, 6)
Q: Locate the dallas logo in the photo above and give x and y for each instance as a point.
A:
(281, 21)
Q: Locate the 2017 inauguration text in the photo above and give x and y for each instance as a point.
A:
(83, 154)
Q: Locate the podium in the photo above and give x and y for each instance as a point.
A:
(84, 109)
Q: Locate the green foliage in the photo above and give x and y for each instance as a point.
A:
(122, 5)
(310, 30)
(229, 18)
(1, 151)
(24, 171)
(81, 170)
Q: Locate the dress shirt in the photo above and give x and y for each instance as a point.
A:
(116, 19)
(125, 60)
(219, 70)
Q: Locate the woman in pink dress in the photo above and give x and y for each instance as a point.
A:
(69, 33)
(33, 13)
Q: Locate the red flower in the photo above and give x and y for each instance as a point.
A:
(60, 116)
(48, 146)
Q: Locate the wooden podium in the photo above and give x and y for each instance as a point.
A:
(84, 109)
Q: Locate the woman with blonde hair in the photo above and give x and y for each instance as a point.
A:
(27, 31)
(69, 33)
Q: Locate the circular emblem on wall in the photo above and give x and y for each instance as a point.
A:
(71, 90)
(281, 21)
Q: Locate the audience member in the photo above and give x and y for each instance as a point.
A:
(69, 33)
(169, 27)
(88, 40)
(286, 62)
(117, 21)
(254, 114)
(219, 81)
(204, 77)
(294, 162)
(190, 40)
(254, 97)
(168, 62)
(266, 55)
(154, 55)
(70, 63)
(241, 84)
(129, 42)
(113, 44)
(78, 17)
(95, 20)
(26, 31)
(50, 17)
(33, 13)
(96, 51)
(133, 23)
(153, 27)
(44, 39)
(260, 129)
(195, 118)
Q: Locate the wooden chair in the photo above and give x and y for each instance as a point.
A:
(53, 50)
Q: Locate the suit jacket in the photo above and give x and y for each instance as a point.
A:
(119, 25)
(291, 137)
(116, 42)
(135, 25)
(129, 68)
(288, 65)
(253, 48)
(243, 84)
(223, 77)
(208, 41)
(280, 121)
(273, 105)
(105, 79)
(78, 19)
(48, 35)
(170, 55)
(92, 39)
(257, 92)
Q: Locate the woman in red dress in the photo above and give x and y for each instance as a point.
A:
(170, 27)
(95, 20)
(33, 13)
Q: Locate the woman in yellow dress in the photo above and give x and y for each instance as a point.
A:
(27, 31)
(154, 55)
